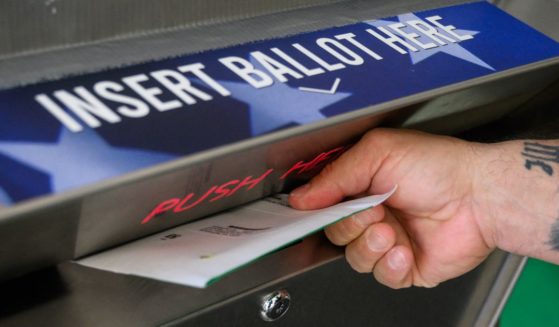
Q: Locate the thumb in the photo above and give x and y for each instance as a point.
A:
(349, 175)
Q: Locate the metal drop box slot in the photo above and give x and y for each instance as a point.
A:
(39, 237)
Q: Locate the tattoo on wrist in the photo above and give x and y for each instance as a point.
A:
(542, 156)
(554, 236)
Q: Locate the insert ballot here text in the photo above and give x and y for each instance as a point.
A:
(136, 96)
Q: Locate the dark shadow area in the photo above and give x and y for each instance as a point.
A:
(31, 290)
(538, 120)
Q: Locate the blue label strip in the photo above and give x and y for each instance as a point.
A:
(55, 136)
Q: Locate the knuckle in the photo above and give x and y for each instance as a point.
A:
(363, 218)
(376, 134)
(351, 226)
(327, 170)
(343, 232)
(367, 218)
(347, 225)
(334, 236)
(327, 177)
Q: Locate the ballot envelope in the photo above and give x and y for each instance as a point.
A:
(125, 124)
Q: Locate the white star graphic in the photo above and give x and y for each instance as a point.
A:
(453, 49)
(4, 197)
(279, 104)
(78, 159)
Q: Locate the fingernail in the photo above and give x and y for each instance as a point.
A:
(300, 191)
(377, 242)
(397, 260)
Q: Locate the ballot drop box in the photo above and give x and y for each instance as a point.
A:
(127, 122)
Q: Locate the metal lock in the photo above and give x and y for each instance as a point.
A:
(274, 305)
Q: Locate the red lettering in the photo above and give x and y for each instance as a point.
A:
(302, 166)
(161, 208)
(226, 190)
(250, 182)
(222, 190)
(180, 207)
(328, 155)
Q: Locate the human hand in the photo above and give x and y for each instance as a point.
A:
(430, 230)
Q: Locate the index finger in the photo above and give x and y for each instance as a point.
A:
(348, 175)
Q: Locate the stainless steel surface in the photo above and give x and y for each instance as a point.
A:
(540, 14)
(275, 305)
(33, 26)
(334, 295)
(325, 291)
(153, 44)
(150, 38)
(73, 295)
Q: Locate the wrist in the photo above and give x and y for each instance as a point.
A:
(484, 176)
(514, 205)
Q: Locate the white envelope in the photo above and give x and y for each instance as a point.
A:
(199, 253)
